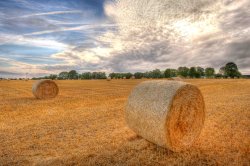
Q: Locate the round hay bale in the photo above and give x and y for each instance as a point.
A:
(45, 89)
(168, 113)
(109, 79)
(175, 79)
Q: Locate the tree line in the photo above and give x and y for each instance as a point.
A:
(230, 70)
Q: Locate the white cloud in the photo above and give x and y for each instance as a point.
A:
(159, 34)
(170, 32)
(20, 69)
(37, 42)
(170, 20)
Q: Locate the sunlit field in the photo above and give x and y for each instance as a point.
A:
(85, 125)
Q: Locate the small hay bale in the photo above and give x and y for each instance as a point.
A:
(175, 79)
(168, 113)
(45, 89)
(109, 79)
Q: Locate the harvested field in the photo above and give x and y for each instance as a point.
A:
(85, 125)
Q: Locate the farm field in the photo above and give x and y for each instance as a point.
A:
(85, 125)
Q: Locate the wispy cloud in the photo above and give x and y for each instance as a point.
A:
(85, 27)
(20, 69)
(50, 13)
(37, 42)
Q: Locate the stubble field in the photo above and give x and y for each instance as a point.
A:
(85, 125)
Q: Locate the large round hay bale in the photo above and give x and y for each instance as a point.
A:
(45, 89)
(168, 113)
(109, 79)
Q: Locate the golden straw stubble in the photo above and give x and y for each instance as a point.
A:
(168, 113)
(45, 89)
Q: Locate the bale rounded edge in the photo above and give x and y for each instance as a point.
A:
(45, 89)
(168, 113)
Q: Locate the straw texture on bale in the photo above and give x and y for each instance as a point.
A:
(168, 113)
(45, 89)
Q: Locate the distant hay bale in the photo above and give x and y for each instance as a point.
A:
(176, 78)
(45, 89)
(133, 77)
(124, 78)
(109, 79)
(168, 113)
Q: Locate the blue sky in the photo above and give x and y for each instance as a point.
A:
(40, 37)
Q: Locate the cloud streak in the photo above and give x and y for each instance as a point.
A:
(76, 28)
(37, 42)
(49, 13)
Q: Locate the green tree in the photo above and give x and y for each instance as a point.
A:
(86, 76)
(183, 71)
(231, 70)
(94, 75)
(209, 72)
(192, 72)
(138, 75)
(174, 73)
(73, 74)
(222, 70)
(52, 76)
(200, 72)
(218, 75)
(128, 75)
(99, 75)
(102, 75)
(63, 75)
(112, 75)
(146, 74)
(156, 74)
(120, 75)
(168, 73)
